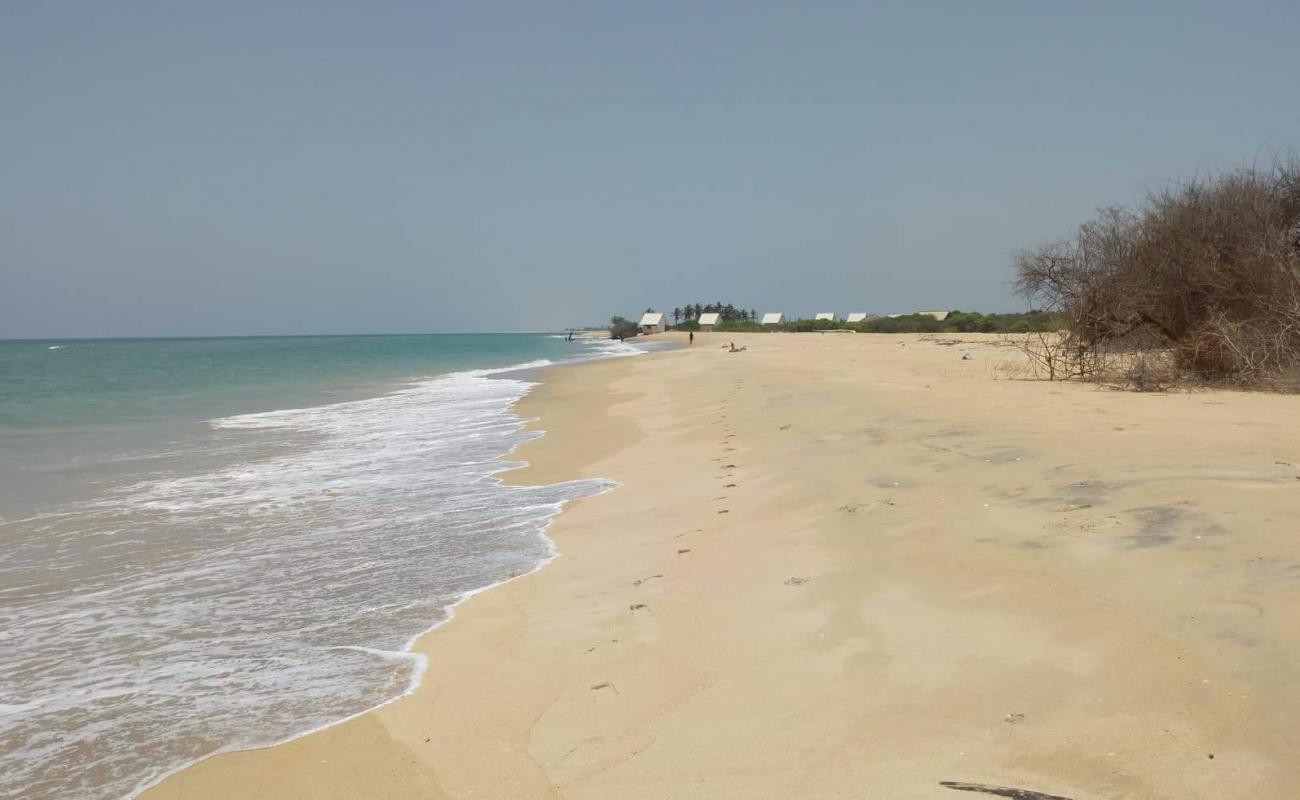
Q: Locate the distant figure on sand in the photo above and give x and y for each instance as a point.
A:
(692, 337)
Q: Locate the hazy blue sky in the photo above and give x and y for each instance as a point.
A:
(228, 167)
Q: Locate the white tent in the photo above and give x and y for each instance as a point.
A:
(653, 322)
(707, 321)
(774, 318)
(826, 315)
(857, 316)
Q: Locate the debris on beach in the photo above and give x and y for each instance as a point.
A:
(1000, 791)
(796, 581)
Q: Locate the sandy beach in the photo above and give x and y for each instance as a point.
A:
(860, 566)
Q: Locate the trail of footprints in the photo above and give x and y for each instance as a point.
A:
(727, 434)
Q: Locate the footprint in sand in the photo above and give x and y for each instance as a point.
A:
(729, 486)
(635, 607)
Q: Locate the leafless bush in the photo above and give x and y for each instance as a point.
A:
(1206, 273)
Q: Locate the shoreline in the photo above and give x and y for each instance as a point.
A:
(947, 576)
(536, 375)
(541, 377)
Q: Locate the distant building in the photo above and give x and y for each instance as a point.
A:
(774, 318)
(829, 316)
(653, 322)
(707, 321)
(857, 316)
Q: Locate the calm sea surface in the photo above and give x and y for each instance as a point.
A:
(212, 544)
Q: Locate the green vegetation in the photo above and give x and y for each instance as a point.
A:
(964, 322)
(957, 322)
(739, 326)
(738, 320)
(683, 316)
(621, 328)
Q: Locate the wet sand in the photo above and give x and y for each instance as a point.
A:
(860, 566)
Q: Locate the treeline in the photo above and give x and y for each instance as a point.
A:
(956, 322)
(726, 311)
(1201, 282)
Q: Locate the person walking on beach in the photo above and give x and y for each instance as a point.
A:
(692, 337)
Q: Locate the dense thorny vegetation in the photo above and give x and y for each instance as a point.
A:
(1201, 282)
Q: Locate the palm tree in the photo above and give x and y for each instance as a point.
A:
(698, 309)
(677, 315)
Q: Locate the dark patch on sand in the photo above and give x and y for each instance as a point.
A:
(1158, 526)
(1164, 525)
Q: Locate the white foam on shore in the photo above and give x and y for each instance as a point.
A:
(275, 596)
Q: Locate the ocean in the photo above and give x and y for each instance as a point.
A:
(216, 544)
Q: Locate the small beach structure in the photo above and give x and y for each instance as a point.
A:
(774, 318)
(708, 320)
(829, 316)
(653, 322)
(857, 316)
(939, 315)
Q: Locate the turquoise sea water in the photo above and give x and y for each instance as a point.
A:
(209, 544)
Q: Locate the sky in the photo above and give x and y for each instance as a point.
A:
(229, 168)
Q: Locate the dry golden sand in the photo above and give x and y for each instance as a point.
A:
(857, 567)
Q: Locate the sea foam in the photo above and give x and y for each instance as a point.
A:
(274, 588)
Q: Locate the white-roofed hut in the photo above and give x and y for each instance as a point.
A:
(708, 319)
(653, 322)
(857, 316)
(774, 318)
(828, 316)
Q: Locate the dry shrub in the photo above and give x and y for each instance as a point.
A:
(1206, 274)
